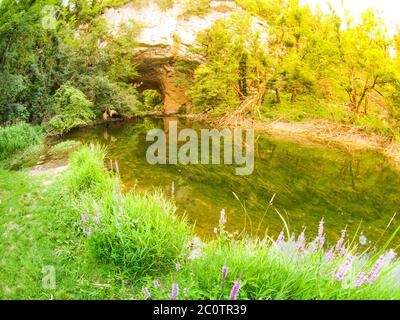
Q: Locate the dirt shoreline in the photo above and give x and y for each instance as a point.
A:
(316, 132)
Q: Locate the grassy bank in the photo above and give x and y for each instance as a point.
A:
(102, 243)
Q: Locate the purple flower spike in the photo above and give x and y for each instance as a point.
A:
(280, 239)
(235, 290)
(225, 271)
(362, 278)
(301, 242)
(173, 190)
(84, 218)
(89, 232)
(146, 293)
(111, 164)
(321, 236)
(222, 219)
(344, 269)
(374, 274)
(157, 284)
(216, 230)
(174, 291)
(340, 243)
(178, 266)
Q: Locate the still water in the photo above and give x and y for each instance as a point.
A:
(357, 190)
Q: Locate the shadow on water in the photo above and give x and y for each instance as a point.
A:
(309, 183)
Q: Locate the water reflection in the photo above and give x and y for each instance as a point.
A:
(309, 183)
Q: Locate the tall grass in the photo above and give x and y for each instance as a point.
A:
(137, 234)
(291, 269)
(18, 138)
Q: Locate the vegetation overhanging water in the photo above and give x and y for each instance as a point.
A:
(350, 190)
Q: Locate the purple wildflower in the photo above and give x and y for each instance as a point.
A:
(301, 242)
(173, 190)
(222, 219)
(146, 293)
(235, 290)
(280, 239)
(343, 251)
(225, 271)
(373, 275)
(174, 292)
(362, 278)
(340, 243)
(157, 284)
(178, 266)
(111, 164)
(344, 269)
(84, 218)
(321, 236)
(89, 232)
(216, 230)
(330, 255)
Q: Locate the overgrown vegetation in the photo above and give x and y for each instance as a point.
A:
(44, 49)
(100, 237)
(17, 138)
(294, 54)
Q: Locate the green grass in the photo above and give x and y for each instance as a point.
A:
(134, 240)
(17, 138)
(308, 107)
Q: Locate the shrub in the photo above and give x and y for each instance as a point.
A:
(151, 100)
(107, 94)
(72, 110)
(18, 138)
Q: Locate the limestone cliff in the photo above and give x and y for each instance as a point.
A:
(165, 35)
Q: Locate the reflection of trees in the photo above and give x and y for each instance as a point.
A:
(351, 169)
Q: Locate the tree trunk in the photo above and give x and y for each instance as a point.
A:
(278, 96)
(294, 96)
(366, 104)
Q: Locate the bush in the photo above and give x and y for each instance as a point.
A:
(17, 138)
(72, 110)
(107, 95)
(151, 100)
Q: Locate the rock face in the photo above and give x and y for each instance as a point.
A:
(165, 35)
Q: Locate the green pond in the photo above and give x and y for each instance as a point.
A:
(357, 190)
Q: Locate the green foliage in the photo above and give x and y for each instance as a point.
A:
(147, 239)
(18, 138)
(72, 109)
(150, 100)
(138, 233)
(196, 7)
(271, 271)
